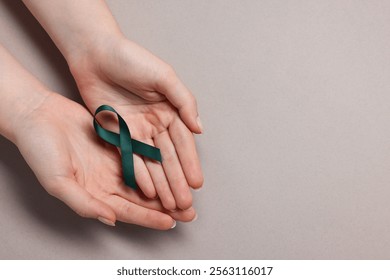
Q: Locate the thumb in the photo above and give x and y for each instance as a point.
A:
(81, 201)
(180, 97)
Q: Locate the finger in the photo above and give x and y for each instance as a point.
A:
(173, 171)
(142, 177)
(184, 215)
(160, 182)
(132, 213)
(177, 93)
(137, 198)
(149, 95)
(185, 147)
(154, 204)
(81, 201)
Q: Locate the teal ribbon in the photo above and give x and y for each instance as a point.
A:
(127, 145)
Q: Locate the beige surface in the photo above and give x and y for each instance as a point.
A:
(295, 98)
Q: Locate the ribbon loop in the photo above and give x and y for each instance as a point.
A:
(127, 145)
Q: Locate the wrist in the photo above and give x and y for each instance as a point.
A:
(20, 94)
(76, 27)
(24, 119)
(20, 112)
(91, 47)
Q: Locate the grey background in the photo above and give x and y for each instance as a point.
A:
(295, 100)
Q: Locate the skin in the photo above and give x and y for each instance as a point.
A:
(56, 137)
(150, 116)
(109, 69)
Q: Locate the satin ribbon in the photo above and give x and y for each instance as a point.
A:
(127, 145)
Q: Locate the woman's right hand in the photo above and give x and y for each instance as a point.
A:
(58, 141)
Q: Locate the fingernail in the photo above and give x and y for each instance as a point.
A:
(197, 190)
(106, 221)
(199, 124)
(174, 224)
(195, 218)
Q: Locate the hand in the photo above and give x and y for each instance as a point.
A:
(59, 143)
(146, 92)
(111, 70)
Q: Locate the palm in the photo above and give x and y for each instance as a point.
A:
(70, 154)
(149, 122)
(134, 93)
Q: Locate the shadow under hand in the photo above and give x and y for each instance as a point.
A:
(29, 194)
(55, 216)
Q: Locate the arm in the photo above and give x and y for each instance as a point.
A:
(109, 69)
(19, 97)
(22, 95)
(87, 28)
(56, 138)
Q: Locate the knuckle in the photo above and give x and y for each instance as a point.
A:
(169, 71)
(161, 183)
(184, 201)
(192, 99)
(178, 182)
(167, 76)
(54, 190)
(152, 96)
(84, 210)
(148, 216)
(169, 203)
(81, 213)
(169, 156)
(124, 209)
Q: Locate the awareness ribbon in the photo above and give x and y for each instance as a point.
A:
(127, 145)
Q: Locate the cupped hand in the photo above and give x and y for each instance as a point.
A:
(157, 107)
(59, 143)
